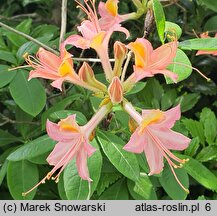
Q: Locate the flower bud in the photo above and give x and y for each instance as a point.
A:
(120, 52)
(115, 91)
(87, 76)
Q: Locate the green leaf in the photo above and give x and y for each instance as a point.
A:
(6, 76)
(3, 171)
(171, 186)
(7, 138)
(58, 106)
(199, 44)
(117, 191)
(211, 24)
(75, 187)
(26, 2)
(61, 114)
(209, 4)
(188, 101)
(144, 188)
(208, 153)
(106, 179)
(30, 47)
(44, 30)
(61, 188)
(199, 172)
(159, 18)
(24, 128)
(182, 71)
(168, 99)
(33, 149)
(137, 88)
(172, 29)
(25, 26)
(193, 147)
(195, 128)
(29, 95)
(22, 176)
(8, 57)
(208, 118)
(131, 185)
(125, 162)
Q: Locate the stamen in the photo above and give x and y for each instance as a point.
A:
(182, 64)
(185, 189)
(19, 67)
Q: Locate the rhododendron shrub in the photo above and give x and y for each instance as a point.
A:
(113, 126)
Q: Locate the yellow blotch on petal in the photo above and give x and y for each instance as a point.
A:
(112, 7)
(140, 54)
(66, 126)
(154, 117)
(65, 68)
(97, 40)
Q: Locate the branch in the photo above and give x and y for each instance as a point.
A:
(29, 38)
(63, 21)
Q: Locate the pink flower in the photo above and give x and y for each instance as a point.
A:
(50, 66)
(93, 35)
(155, 138)
(149, 62)
(207, 52)
(73, 142)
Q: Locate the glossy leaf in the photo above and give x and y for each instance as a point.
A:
(8, 57)
(209, 4)
(7, 138)
(170, 184)
(29, 95)
(193, 147)
(75, 187)
(200, 173)
(6, 76)
(208, 118)
(172, 29)
(33, 149)
(21, 176)
(208, 153)
(144, 188)
(199, 44)
(181, 66)
(159, 18)
(125, 162)
(117, 191)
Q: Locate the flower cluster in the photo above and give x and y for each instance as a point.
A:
(152, 129)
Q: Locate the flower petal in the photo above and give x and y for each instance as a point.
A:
(173, 76)
(163, 56)
(154, 156)
(171, 139)
(136, 143)
(54, 132)
(81, 161)
(58, 83)
(60, 150)
(48, 59)
(78, 41)
(42, 74)
(89, 148)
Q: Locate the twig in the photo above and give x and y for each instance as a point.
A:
(29, 38)
(90, 59)
(8, 120)
(129, 55)
(63, 21)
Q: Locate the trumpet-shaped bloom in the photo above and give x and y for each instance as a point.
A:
(93, 35)
(207, 52)
(72, 142)
(149, 62)
(155, 138)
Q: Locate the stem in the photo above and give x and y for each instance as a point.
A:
(63, 20)
(29, 38)
(128, 107)
(96, 119)
(129, 55)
